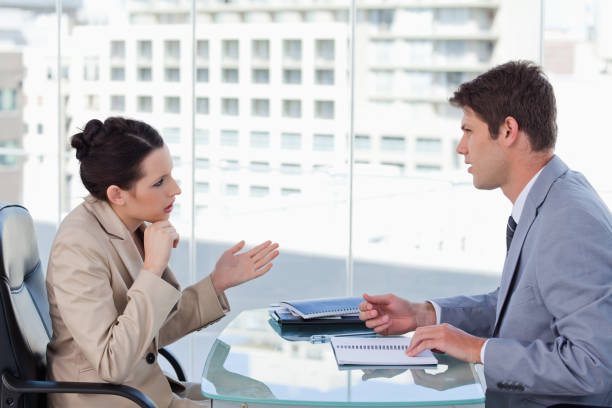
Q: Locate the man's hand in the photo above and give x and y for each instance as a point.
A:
(447, 339)
(390, 314)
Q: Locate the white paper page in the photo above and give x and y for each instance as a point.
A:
(377, 351)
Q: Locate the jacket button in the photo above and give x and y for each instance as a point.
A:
(150, 358)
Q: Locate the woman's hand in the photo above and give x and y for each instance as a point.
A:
(233, 269)
(159, 239)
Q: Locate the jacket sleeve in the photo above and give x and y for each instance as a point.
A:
(198, 307)
(574, 279)
(112, 342)
(473, 314)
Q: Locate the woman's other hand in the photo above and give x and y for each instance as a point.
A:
(232, 268)
(159, 239)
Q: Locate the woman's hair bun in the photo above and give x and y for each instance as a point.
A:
(84, 140)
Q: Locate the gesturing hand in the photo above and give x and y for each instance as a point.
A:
(390, 314)
(233, 269)
(447, 339)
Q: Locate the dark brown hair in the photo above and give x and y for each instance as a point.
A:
(111, 152)
(518, 89)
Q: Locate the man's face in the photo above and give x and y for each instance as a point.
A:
(485, 154)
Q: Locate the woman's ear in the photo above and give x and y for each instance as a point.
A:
(115, 195)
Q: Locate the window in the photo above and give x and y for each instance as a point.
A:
(8, 100)
(325, 50)
(7, 160)
(39, 128)
(145, 50)
(172, 74)
(117, 49)
(230, 50)
(229, 138)
(261, 76)
(291, 141)
(176, 160)
(172, 135)
(231, 189)
(428, 167)
(399, 167)
(144, 104)
(259, 166)
(292, 108)
(393, 144)
(202, 50)
(260, 139)
(324, 109)
(202, 137)
(230, 165)
(324, 76)
(292, 50)
(145, 74)
(202, 163)
(91, 69)
(292, 76)
(172, 50)
(260, 49)
(260, 107)
(202, 187)
(202, 106)
(229, 75)
(259, 191)
(92, 102)
(289, 191)
(229, 106)
(363, 142)
(172, 104)
(428, 145)
(323, 143)
(117, 103)
(202, 75)
(290, 168)
(117, 74)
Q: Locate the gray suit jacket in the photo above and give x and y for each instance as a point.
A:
(550, 320)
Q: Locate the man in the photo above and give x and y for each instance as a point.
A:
(545, 334)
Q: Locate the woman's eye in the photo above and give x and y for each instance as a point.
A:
(159, 183)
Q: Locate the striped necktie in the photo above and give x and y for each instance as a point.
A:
(510, 227)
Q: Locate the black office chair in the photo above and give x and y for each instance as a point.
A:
(25, 325)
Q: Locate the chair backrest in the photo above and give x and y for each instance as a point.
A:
(25, 325)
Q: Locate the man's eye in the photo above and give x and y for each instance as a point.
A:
(159, 183)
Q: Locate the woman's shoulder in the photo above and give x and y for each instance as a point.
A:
(79, 227)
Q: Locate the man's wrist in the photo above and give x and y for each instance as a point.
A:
(426, 314)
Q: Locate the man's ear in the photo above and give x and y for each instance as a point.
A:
(509, 131)
(115, 195)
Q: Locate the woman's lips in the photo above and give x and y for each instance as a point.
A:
(169, 208)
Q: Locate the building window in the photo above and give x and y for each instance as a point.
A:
(399, 167)
(230, 50)
(292, 108)
(261, 76)
(172, 104)
(324, 109)
(325, 50)
(117, 74)
(292, 50)
(260, 107)
(323, 143)
(230, 165)
(292, 76)
(117, 103)
(202, 187)
(91, 69)
(291, 141)
(202, 50)
(145, 74)
(8, 100)
(363, 142)
(202, 106)
(145, 104)
(259, 167)
(231, 189)
(92, 102)
(202, 75)
(393, 144)
(229, 106)
(285, 191)
(172, 135)
(39, 129)
(428, 145)
(428, 167)
(202, 163)
(145, 50)
(172, 74)
(202, 137)
(260, 50)
(229, 75)
(117, 49)
(260, 139)
(290, 168)
(229, 138)
(7, 160)
(172, 50)
(259, 191)
(324, 76)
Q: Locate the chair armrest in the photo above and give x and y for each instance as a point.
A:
(180, 374)
(13, 388)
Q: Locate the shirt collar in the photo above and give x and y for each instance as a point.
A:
(517, 208)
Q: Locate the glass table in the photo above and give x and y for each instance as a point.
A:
(256, 361)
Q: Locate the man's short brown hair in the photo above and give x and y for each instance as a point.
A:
(518, 89)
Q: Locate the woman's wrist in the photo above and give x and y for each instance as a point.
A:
(154, 270)
(214, 279)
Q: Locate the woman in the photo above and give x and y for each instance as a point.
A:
(113, 300)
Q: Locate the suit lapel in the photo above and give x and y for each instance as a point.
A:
(551, 172)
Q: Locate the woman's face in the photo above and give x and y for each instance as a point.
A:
(151, 198)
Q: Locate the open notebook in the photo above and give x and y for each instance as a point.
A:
(312, 308)
(377, 351)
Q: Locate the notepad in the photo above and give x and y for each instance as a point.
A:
(378, 351)
(311, 308)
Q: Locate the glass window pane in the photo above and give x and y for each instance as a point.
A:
(291, 141)
(202, 50)
(260, 107)
(172, 50)
(172, 74)
(292, 108)
(230, 50)
(172, 104)
(292, 50)
(324, 109)
(325, 50)
(260, 76)
(229, 75)
(292, 76)
(229, 138)
(202, 75)
(324, 76)
(260, 139)
(229, 106)
(323, 143)
(393, 143)
(201, 136)
(202, 107)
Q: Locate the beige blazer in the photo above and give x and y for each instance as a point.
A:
(109, 314)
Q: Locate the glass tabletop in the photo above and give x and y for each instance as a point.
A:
(256, 360)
